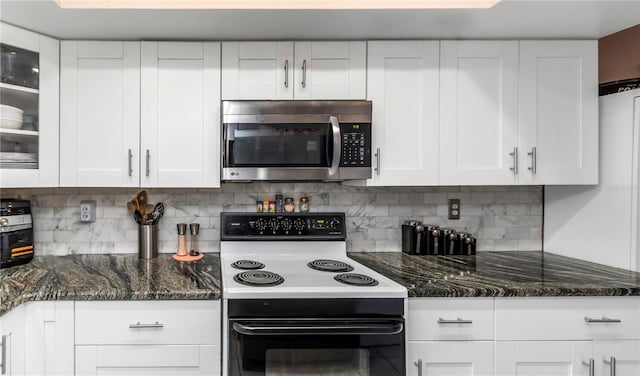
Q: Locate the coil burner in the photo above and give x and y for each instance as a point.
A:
(355, 279)
(247, 265)
(258, 278)
(330, 266)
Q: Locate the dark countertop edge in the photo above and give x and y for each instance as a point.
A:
(162, 296)
(606, 292)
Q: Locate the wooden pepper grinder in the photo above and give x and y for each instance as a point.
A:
(182, 240)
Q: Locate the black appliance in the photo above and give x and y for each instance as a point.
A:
(16, 232)
(316, 336)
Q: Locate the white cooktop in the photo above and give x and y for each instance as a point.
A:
(289, 260)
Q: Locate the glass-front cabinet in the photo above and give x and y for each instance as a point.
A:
(29, 108)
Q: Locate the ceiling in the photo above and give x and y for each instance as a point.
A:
(518, 19)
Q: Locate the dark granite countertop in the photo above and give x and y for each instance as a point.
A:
(109, 277)
(491, 274)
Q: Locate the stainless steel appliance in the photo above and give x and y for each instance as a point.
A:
(16, 232)
(296, 140)
(295, 303)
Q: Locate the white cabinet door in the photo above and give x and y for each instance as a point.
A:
(559, 112)
(148, 360)
(180, 114)
(625, 355)
(257, 70)
(479, 112)
(450, 358)
(12, 335)
(49, 338)
(330, 70)
(100, 114)
(543, 358)
(402, 83)
(41, 104)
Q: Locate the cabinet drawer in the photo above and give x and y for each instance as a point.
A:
(438, 319)
(566, 318)
(148, 322)
(145, 360)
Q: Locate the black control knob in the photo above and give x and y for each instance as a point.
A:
(261, 224)
(334, 224)
(299, 224)
(286, 224)
(274, 224)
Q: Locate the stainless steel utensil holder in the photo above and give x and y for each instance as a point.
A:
(147, 241)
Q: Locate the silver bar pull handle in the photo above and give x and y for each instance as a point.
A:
(3, 366)
(534, 162)
(377, 155)
(604, 319)
(419, 365)
(304, 73)
(592, 366)
(138, 325)
(130, 156)
(514, 155)
(612, 363)
(337, 146)
(286, 73)
(148, 157)
(456, 321)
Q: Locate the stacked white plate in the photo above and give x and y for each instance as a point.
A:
(11, 117)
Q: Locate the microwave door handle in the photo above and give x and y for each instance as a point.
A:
(335, 160)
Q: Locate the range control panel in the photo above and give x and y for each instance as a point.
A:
(282, 226)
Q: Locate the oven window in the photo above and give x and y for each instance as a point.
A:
(284, 145)
(335, 362)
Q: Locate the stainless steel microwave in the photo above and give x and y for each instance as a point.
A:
(296, 140)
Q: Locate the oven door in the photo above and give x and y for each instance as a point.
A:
(335, 346)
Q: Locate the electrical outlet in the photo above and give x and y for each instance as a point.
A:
(454, 208)
(87, 211)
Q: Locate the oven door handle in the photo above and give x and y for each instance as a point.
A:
(337, 146)
(390, 328)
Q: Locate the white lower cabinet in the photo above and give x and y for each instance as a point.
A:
(618, 358)
(468, 358)
(450, 336)
(151, 360)
(38, 339)
(538, 358)
(13, 339)
(147, 338)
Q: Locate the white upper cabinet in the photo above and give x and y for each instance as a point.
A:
(330, 70)
(29, 132)
(478, 112)
(100, 114)
(559, 112)
(273, 70)
(257, 70)
(180, 114)
(402, 83)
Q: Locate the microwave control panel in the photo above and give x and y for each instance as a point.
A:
(356, 145)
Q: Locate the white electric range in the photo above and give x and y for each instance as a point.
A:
(293, 302)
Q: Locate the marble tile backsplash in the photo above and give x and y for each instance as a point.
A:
(502, 218)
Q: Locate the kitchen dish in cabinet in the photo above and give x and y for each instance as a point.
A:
(28, 108)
